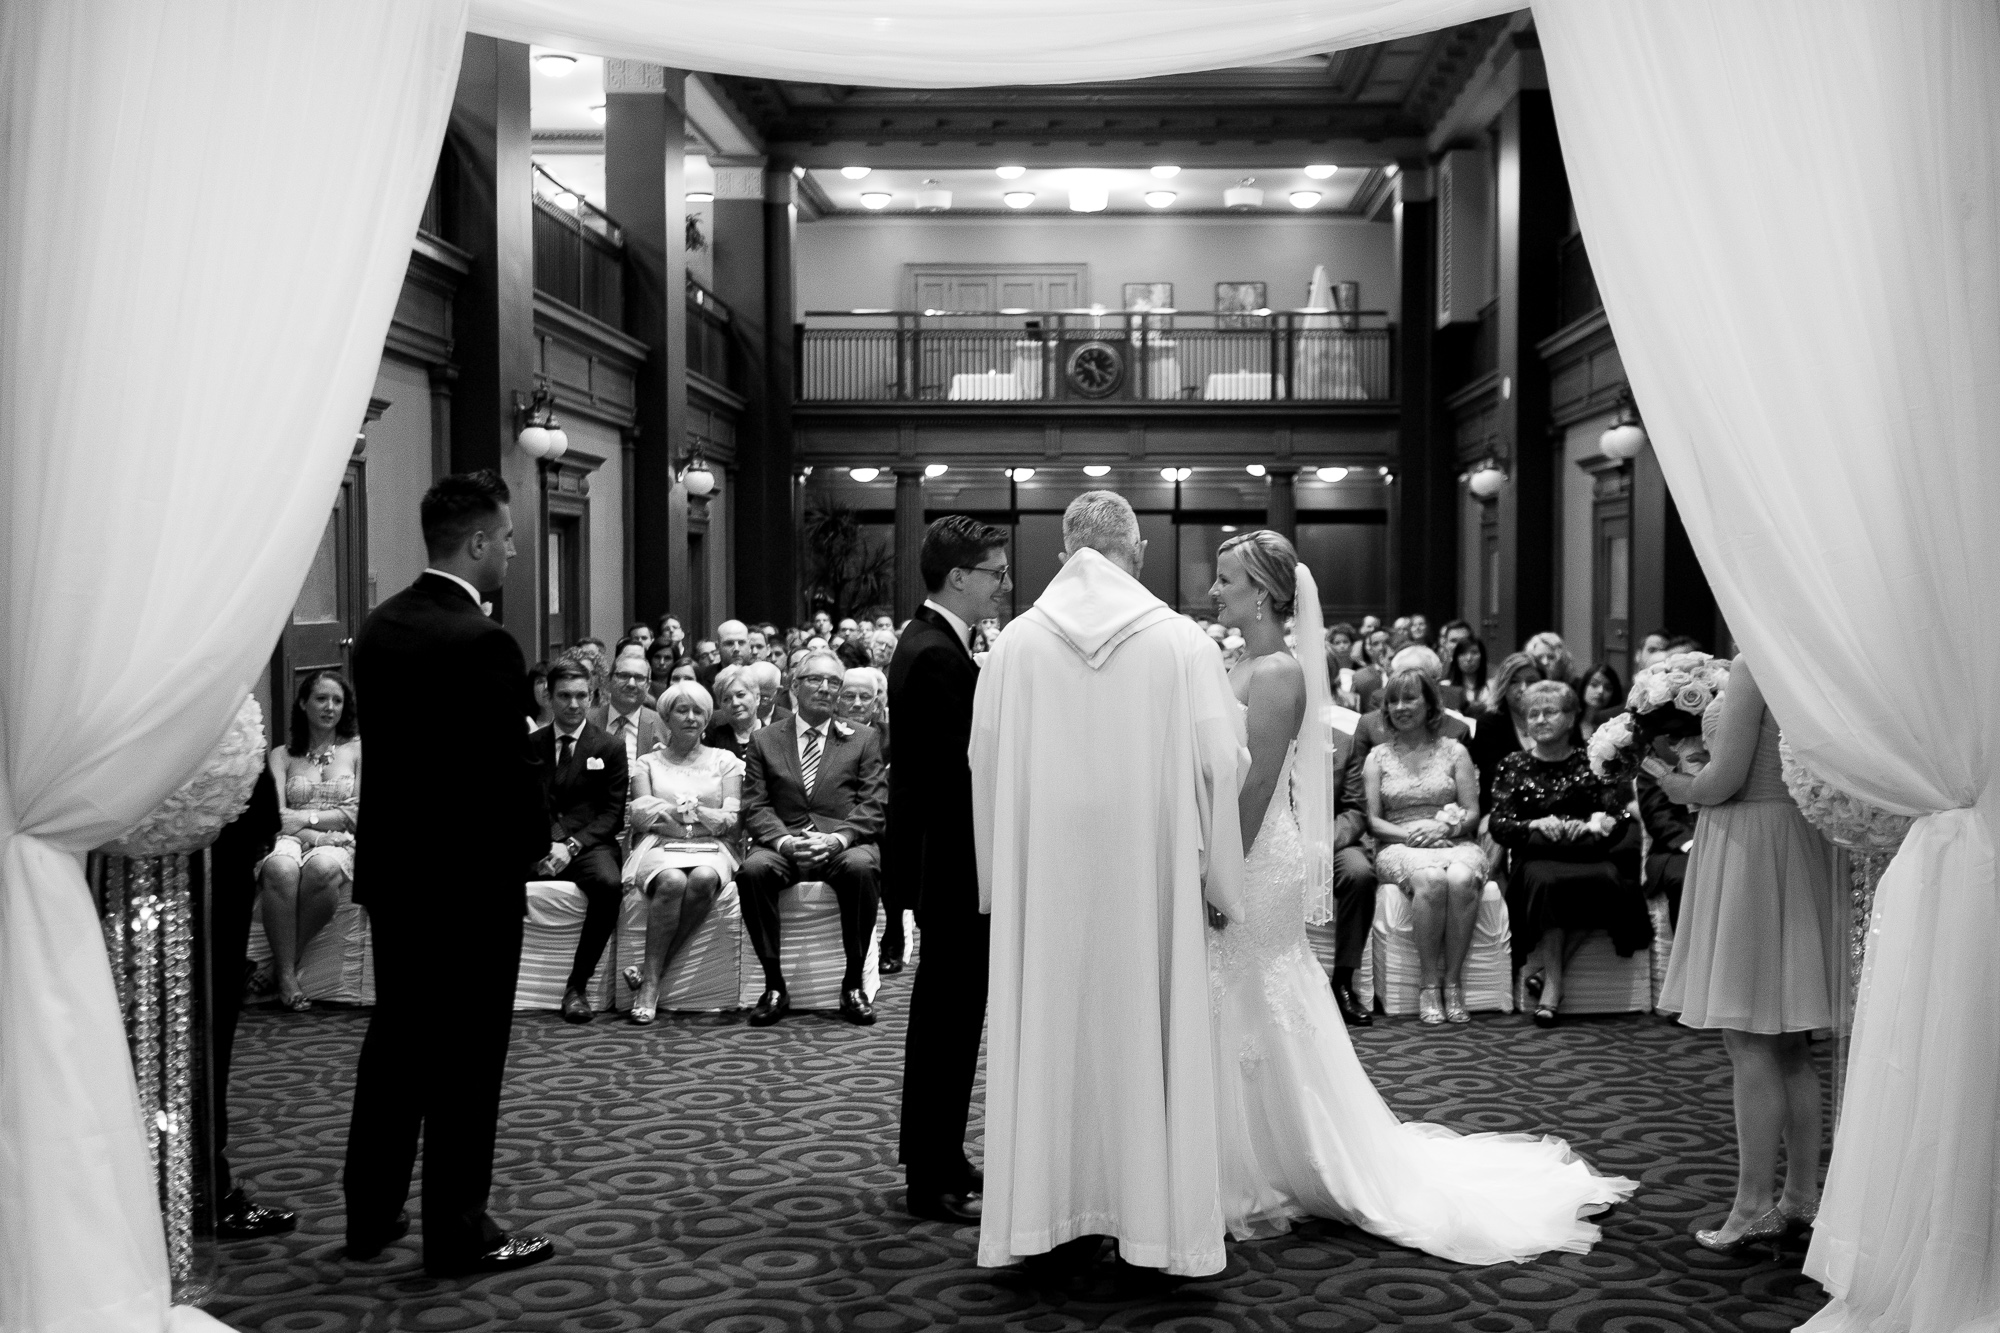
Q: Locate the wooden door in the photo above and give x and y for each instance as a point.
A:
(563, 592)
(1613, 590)
(331, 602)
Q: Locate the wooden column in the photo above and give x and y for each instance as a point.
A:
(1533, 215)
(488, 178)
(645, 145)
(1281, 509)
(1669, 590)
(1424, 503)
(910, 591)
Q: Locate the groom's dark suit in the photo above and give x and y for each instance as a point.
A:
(451, 822)
(931, 869)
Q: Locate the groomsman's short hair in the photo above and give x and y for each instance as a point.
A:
(955, 542)
(457, 506)
(567, 668)
(1102, 521)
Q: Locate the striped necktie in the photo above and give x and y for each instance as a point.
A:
(809, 763)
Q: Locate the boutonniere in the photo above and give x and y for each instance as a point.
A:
(842, 730)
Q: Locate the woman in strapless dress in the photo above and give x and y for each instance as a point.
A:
(1758, 954)
(318, 772)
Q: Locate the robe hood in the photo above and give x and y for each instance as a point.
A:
(1095, 606)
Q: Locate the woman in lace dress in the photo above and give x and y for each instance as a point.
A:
(1423, 807)
(1303, 1131)
(318, 772)
(683, 812)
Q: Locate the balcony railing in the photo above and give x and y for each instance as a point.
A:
(708, 334)
(1082, 357)
(579, 252)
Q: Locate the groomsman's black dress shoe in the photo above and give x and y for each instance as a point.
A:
(1352, 1010)
(576, 1009)
(891, 966)
(947, 1207)
(241, 1219)
(515, 1250)
(368, 1247)
(854, 1007)
(773, 1006)
(1070, 1259)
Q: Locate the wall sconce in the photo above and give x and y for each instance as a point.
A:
(1625, 437)
(1486, 480)
(541, 434)
(695, 477)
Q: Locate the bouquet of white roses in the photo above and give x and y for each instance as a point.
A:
(1667, 699)
(1842, 818)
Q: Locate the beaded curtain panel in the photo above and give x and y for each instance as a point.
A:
(702, 1175)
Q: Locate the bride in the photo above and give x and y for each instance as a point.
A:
(1304, 1133)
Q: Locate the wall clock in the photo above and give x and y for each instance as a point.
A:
(1096, 369)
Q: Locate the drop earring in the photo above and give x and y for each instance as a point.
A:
(1260, 606)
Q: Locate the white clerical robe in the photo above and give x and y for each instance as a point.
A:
(1106, 756)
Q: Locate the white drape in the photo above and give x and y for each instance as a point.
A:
(207, 213)
(1793, 209)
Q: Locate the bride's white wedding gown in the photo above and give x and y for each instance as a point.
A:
(1304, 1132)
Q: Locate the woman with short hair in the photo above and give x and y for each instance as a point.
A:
(318, 773)
(685, 808)
(736, 698)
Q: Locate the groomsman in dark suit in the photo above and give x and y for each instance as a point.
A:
(455, 822)
(585, 784)
(813, 807)
(1354, 884)
(930, 859)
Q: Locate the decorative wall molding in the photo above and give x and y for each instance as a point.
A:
(1475, 414)
(1586, 372)
(420, 331)
(1610, 478)
(592, 368)
(633, 76)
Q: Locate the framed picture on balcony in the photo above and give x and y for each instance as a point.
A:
(1149, 296)
(1236, 302)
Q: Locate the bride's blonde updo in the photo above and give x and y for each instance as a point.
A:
(1271, 563)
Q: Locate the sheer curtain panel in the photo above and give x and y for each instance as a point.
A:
(1793, 210)
(208, 211)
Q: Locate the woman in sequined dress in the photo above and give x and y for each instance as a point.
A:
(318, 772)
(1303, 1131)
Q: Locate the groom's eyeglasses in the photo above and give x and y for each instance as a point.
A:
(1000, 573)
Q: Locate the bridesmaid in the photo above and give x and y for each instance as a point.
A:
(1758, 955)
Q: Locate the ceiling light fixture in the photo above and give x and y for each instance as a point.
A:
(1244, 196)
(937, 469)
(864, 475)
(1018, 198)
(1320, 171)
(875, 199)
(1332, 474)
(1020, 473)
(855, 173)
(1160, 198)
(1010, 173)
(1088, 194)
(1096, 470)
(1254, 469)
(1176, 473)
(1304, 198)
(1391, 170)
(1486, 480)
(597, 112)
(933, 200)
(564, 199)
(700, 197)
(1165, 172)
(555, 66)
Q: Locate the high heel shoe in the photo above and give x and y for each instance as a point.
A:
(631, 975)
(1454, 1005)
(1770, 1226)
(642, 1012)
(1430, 1010)
(1798, 1221)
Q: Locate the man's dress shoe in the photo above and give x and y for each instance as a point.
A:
(241, 1219)
(854, 1007)
(1352, 1010)
(576, 1009)
(889, 967)
(774, 1005)
(947, 1207)
(368, 1247)
(516, 1250)
(1070, 1259)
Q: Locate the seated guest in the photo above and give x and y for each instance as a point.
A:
(736, 701)
(881, 648)
(732, 648)
(885, 620)
(1418, 626)
(1423, 808)
(660, 661)
(852, 652)
(629, 716)
(585, 780)
(641, 633)
(1504, 729)
(1468, 673)
(1573, 851)
(813, 801)
(860, 703)
(1670, 827)
(686, 798)
(1651, 649)
(538, 683)
(1552, 657)
(589, 650)
(1353, 883)
(822, 625)
(1377, 647)
(318, 776)
(671, 631)
(1340, 665)
(772, 703)
(1603, 695)
(1454, 633)
(707, 655)
(1416, 657)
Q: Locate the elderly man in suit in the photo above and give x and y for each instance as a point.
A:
(931, 865)
(813, 806)
(629, 714)
(586, 779)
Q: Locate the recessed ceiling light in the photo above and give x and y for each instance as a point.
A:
(1159, 198)
(1018, 198)
(1321, 171)
(1020, 473)
(864, 474)
(1088, 193)
(937, 469)
(1229, 527)
(555, 66)
(1304, 198)
(700, 197)
(875, 199)
(1165, 172)
(597, 112)
(854, 173)
(1243, 196)
(1332, 474)
(1010, 173)
(1096, 470)
(1254, 469)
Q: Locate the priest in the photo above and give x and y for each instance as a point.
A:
(1106, 756)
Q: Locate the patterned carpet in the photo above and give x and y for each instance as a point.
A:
(701, 1175)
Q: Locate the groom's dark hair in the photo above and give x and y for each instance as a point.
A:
(456, 505)
(955, 542)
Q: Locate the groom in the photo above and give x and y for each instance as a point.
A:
(1105, 766)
